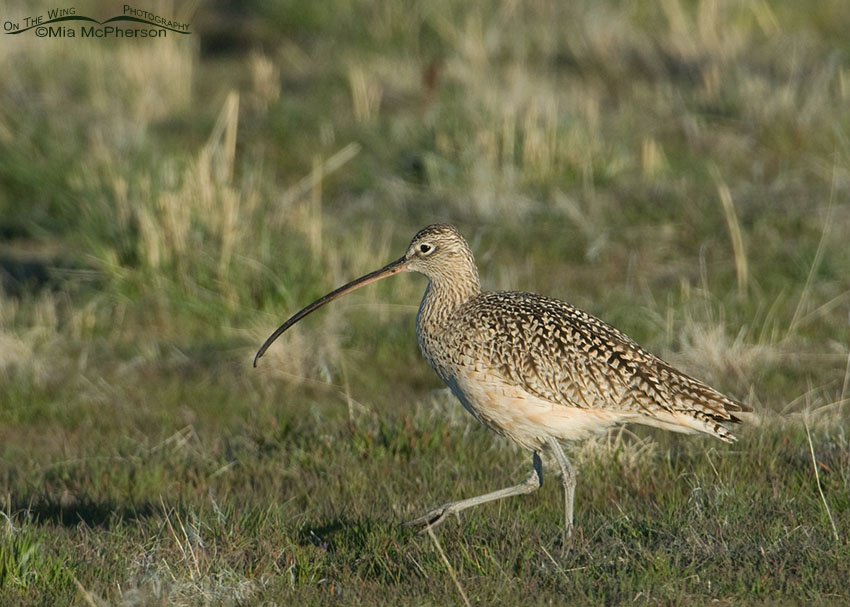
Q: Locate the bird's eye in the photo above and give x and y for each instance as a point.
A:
(425, 248)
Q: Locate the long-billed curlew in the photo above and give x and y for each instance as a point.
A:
(535, 369)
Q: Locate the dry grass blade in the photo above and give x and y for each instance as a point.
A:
(448, 565)
(817, 480)
(741, 266)
(804, 294)
(87, 596)
(308, 183)
(221, 145)
(846, 383)
(554, 562)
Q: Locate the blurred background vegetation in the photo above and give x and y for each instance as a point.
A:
(680, 169)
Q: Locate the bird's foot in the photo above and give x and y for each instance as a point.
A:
(566, 539)
(435, 517)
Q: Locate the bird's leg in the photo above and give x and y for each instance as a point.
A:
(568, 478)
(438, 515)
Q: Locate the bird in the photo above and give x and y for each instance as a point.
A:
(534, 369)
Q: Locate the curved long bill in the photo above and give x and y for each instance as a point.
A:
(399, 265)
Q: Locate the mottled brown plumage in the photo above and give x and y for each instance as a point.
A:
(536, 369)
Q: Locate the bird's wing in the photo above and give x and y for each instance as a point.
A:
(564, 355)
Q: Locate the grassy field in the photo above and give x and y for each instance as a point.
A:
(680, 169)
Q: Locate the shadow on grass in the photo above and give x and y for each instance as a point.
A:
(103, 514)
(349, 534)
(19, 275)
(25, 273)
(323, 537)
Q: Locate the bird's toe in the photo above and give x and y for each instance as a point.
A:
(435, 517)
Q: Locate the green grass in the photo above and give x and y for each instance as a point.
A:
(301, 502)
(681, 170)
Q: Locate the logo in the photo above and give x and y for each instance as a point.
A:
(67, 23)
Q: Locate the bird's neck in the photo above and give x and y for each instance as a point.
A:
(444, 295)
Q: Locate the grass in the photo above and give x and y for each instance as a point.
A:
(681, 170)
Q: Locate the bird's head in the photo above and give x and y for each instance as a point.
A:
(438, 251)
